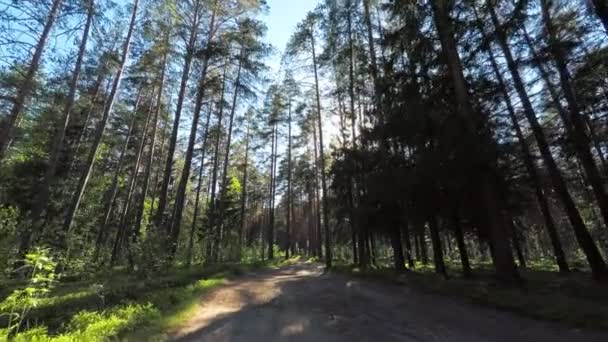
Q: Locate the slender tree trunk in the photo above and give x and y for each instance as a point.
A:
(91, 108)
(8, 126)
(86, 174)
(582, 234)
(578, 133)
(515, 239)
(123, 232)
(423, 248)
(462, 247)
(398, 259)
(188, 57)
(150, 161)
(273, 167)
(42, 194)
(198, 189)
(185, 176)
(489, 178)
(289, 194)
(527, 154)
(114, 186)
(328, 242)
(408, 245)
(212, 249)
(319, 242)
(224, 183)
(243, 218)
(437, 249)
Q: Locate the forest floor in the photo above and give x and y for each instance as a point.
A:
(302, 303)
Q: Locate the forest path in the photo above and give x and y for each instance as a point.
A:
(300, 303)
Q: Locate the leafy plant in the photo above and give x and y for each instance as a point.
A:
(41, 269)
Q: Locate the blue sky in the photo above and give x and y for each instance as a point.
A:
(282, 19)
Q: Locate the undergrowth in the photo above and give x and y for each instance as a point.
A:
(118, 305)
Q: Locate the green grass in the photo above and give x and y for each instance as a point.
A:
(123, 306)
(573, 300)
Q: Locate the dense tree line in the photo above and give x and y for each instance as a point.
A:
(154, 133)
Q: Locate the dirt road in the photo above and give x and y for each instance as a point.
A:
(300, 303)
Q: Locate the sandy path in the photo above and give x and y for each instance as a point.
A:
(299, 303)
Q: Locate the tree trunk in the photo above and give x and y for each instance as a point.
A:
(578, 133)
(7, 128)
(211, 250)
(150, 162)
(582, 234)
(408, 245)
(188, 57)
(41, 199)
(185, 176)
(517, 245)
(289, 194)
(224, 183)
(319, 243)
(437, 248)
(86, 173)
(91, 108)
(489, 177)
(398, 259)
(198, 189)
(180, 197)
(527, 154)
(114, 186)
(273, 161)
(328, 242)
(243, 220)
(123, 232)
(462, 248)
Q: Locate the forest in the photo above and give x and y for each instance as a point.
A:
(152, 149)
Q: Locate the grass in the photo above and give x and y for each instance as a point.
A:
(122, 306)
(574, 300)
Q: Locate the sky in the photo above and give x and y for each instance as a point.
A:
(281, 20)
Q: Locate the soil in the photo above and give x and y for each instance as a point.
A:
(302, 303)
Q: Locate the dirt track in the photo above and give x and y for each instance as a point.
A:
(300, 303)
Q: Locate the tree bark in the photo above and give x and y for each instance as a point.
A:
(437, 249)
(462, 248)
(489, 177)
(577, 134)
(123, 232)
(243, 219)
(582, 234)
(319, 242)
(86, 174)
(558, 251)
(328, 240)
(224, 183)
(150, 161)
(198, 189)
(114, 186)
(408, 245)
(289, 194)
(41, 199)
(188, 57)
(185, 176)
(398, 259)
